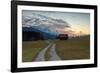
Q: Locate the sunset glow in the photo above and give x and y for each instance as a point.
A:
(73, 24)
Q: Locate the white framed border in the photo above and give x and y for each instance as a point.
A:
(53, 63)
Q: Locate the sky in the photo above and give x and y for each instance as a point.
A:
(78, 22)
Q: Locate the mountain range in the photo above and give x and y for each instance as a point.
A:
(43, 23)
(40, 23)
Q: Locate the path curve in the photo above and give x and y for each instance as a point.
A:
(41, 55)
(53, 54)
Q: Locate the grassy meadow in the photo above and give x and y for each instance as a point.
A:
(75, 48)
(30, 50)
(71, 49)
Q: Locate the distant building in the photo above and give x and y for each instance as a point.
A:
(63, 36)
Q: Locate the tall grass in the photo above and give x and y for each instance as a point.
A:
(30, 50)
(76, 48)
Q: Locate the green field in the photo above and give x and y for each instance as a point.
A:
(71, 49)
(76, 48)
(30, 50)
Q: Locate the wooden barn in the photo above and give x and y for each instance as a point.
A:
(63, 36)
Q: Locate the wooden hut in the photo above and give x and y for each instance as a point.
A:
(63, 36)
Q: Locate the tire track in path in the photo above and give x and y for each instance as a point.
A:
(53, 54)
(41, 55)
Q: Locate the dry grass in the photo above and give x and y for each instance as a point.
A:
(30, 50)
(77, 48)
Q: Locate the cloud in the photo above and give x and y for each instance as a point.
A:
(31, 19)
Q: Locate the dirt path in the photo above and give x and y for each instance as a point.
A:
(52, 53)
(41, 55)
